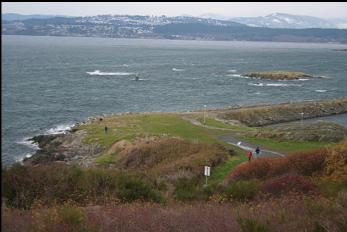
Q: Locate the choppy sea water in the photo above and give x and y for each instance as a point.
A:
(50, 83)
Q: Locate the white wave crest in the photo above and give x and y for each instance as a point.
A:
(281, 85)
(321, 90)
(303, 79)
(59, 129)
(99, 73)
(232, 70)
(273, 84)
(233, 75)
(178, 69)
(26, 142)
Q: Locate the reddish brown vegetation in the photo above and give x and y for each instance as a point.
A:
(288, 183)
(290, 213)
(304, 163)
(336, 163)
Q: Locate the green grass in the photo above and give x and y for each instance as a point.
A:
(224, 169)
(286, 146)
(106, 159)
(129, 127)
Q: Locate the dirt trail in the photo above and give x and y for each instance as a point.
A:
(230, 138)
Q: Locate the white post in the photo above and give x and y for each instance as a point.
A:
(207, 172)
(302, 118)
(204, 114)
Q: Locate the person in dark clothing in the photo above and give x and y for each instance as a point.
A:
(257, 151)
(106, 129)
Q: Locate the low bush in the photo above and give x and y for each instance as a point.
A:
(23, 186)
(330, 188)
(288, 183)
(303, 163)
(252, 225)
(133, 188)
(309, 162)
(241, 190)
(335, 163)
(188, 189)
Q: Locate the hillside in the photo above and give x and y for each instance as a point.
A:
(162, 27)
(281, 20)
(151, 164)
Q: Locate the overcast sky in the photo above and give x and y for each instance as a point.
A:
(230, 9)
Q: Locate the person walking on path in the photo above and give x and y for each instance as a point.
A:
(249, 155)
(106, 129)
(257, 151)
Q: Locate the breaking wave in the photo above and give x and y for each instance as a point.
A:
(60, 129)
(273, 84)
(234, 75)
(178, 69)
(99, 73)
(321, 90)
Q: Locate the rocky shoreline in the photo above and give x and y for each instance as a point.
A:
(70, 147)
(285, 112)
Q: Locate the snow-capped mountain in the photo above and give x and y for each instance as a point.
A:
(280, 20)
(163, 27)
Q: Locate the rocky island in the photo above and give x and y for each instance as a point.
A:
(278, 75)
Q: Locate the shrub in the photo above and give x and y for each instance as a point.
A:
(70, 215)
(22, 186)
(303, 163)
(288, 183)
(308, 162)
(250, 170)
(133, 188)
(241, 190)
(252, 225)
(188, 189)
(330, 188)
(335, 163)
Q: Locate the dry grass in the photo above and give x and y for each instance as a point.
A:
(170, 157)
(290, 213)
(336, 163)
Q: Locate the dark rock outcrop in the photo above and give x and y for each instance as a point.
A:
(286, 112)
(316, 131)
(68, 148)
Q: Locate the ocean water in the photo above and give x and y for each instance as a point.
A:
(50, 83)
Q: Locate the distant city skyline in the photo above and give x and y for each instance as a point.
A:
(226, 9)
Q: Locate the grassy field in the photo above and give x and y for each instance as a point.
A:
(129, 127)
(286, 146)
(133, 126)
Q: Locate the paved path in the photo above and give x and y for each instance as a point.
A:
(229, 138)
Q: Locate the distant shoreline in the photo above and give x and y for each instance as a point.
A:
(176, 39)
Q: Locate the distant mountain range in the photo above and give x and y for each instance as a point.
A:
(14, 16)
(280, 20)
(162, 27)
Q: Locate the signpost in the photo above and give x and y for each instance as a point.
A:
(207, 173)
(205, 114)
(302, 118)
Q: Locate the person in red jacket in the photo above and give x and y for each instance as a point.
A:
(249, 155)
